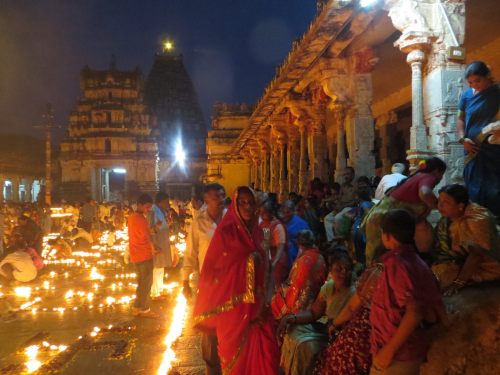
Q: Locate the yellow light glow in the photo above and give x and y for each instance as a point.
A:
(168, 46)
(23, 291)
(32, 364)
(179, 318)
(94, 275)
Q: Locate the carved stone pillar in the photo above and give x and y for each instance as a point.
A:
(418, 135)
(293, 161)
(264, 166)
(275, 167)
(434, 31)
(283, 185)
(265, 172)
(340, 160)
(361, 129)
(303, 162)
(256, 168)
(317, 151)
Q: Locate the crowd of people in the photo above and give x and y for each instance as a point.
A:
(79, 226)
(346, 278)
(343, 278)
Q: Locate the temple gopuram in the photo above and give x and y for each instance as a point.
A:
(173, 104)
(127, 135)
(370, 83)
(110, 152)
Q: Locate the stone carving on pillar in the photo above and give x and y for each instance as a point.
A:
(283, 185)
(303, 161)
(339, 111)
(317, 149)
(416, 38)
(418, 133)
(429, 30)
(335, 80)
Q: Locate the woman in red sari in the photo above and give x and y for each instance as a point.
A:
(233, 293)
(306, 277)
(278, 242)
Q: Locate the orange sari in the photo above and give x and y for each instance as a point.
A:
(233, 285)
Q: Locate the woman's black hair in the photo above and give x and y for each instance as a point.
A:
(477, 68)
(340, 255)
(270, 207)
(364, 180)
(434, 164)
(457, 192)
(400, 224)
(306, 238)
(365, 194)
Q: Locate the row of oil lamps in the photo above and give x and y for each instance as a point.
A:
(100, 256)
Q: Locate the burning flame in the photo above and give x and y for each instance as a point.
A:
(178, 320)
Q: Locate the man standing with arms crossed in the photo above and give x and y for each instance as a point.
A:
(202, 230)
(141, 254)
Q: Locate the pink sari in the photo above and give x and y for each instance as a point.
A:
(233, 284)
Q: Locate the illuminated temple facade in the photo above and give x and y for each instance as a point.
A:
(123, 132)
(364, 87)
(110, 151)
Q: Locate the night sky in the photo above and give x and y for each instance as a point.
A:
(231, 47)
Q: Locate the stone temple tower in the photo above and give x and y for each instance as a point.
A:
(109, 152)
(177, 117)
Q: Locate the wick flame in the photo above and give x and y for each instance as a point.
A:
(32, 364)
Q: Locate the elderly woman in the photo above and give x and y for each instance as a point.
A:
(308, 335)
(468, 248)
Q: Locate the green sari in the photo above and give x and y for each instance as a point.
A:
(371, 223)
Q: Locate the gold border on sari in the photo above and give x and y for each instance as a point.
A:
(247, 297)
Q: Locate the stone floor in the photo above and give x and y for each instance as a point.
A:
(98, 333)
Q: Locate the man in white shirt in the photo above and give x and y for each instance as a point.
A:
(198, 240)
(390, 180)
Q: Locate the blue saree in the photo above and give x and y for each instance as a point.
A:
(482, 171)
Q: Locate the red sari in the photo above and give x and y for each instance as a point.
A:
(307, 276)
(233, 284)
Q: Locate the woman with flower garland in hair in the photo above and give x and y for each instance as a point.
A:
(413, 194)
